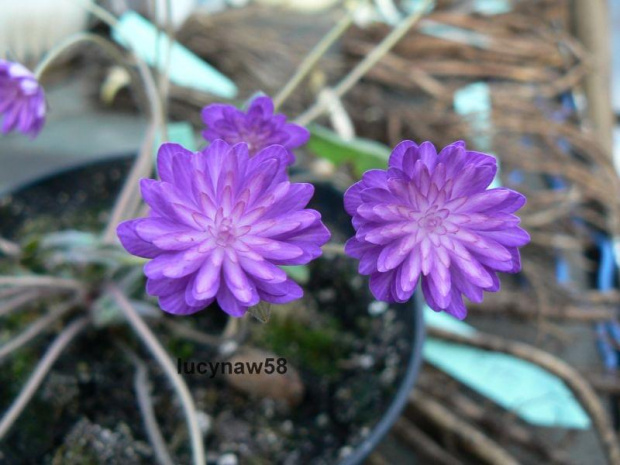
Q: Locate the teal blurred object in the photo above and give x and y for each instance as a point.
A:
(532, 393)
(473, 101)
(185, 68)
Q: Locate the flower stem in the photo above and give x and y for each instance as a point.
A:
(69, 42)
(129, 198)
(43, 367)
(128, 201)
(366, 64)
(160, 354)
(313, 57)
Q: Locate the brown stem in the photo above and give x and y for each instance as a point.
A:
(422, 443)
(474, 440)
(366, 64)
(499, 425)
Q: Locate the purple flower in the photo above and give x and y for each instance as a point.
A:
(431, 217)
(258, 127)
(221, 223)
(22, 100)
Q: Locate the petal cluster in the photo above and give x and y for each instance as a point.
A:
(258, 127)
(430, 217)
(220, 224)
(22, 100)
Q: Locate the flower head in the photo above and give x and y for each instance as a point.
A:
(22, 100)
(220, 224)
(258, 127)
(431, 217)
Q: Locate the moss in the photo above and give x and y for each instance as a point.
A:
(315, 347)
(181, 348)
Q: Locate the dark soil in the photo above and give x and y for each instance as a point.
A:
(350, 352)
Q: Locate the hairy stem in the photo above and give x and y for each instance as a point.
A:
(366, 64)
(145, 402)
(162, 357)
(41, 370)
(313, 57)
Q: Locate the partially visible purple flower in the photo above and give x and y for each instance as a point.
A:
(22, 100)
(258, 127)
(221, 223)
(430, 217)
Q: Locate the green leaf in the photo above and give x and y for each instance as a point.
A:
(363, 154)
(299, 273)
(69, 239)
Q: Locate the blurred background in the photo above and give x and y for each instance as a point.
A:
(534, 82)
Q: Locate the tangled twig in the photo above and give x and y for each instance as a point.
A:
(474, 440)
(575, 382)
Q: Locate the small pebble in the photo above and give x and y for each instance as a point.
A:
(204, 422)
(345, 451)
(327, 295)
(388, 376)
(324, 168)
(322, 420)
(228, 347)
(287, 427)
(366, 361)
(228, 459)
(377, 308)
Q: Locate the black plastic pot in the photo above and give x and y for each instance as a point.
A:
(44, 195)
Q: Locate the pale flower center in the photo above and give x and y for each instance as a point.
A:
(432, 220)
(224, 232)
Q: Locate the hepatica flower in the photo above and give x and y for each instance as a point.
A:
(430, 217)
(258, 127)
(22, 100)
(220, 224)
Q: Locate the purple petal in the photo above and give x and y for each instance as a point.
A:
(280, 293)
(397, 155)
(135, 245)
(229, 303)
(297, 135)
(176, 304)
(352, 197)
